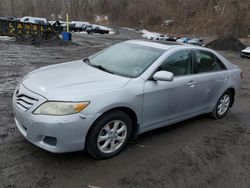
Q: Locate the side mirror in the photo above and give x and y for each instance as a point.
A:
(163, 76)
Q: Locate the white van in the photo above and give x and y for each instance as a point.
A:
(34, 20)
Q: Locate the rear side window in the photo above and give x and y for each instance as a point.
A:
(208, 62)
(180, 63)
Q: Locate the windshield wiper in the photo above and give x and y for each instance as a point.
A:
(86, 60)
(102, 68)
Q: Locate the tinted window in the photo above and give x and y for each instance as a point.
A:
(208, 62)
(180, 63)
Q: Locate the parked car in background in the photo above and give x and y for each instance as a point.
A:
(245, 52)
(34, 20)
(63, 25)
(96, 29)
(172, 38)
(196, 41)
(183, 40)
(55, 23)
(165, 38)
(80, 25)
(10, 18)
(160, 37)
(102, 102)
(157, 36)
(86, 26)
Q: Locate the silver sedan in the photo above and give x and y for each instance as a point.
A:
(102, 102)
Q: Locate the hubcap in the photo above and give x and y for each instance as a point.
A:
(223, 105)
(112, 136)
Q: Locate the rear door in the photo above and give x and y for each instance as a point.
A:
(211, 78)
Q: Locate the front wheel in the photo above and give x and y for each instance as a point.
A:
(109, 135)
(222, 105)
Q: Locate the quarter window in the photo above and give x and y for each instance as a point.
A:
(208, 62)
(180, 63)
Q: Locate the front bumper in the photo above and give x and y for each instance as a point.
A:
(57, 134)
(245, 54)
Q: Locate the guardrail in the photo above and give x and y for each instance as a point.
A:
(20, 29)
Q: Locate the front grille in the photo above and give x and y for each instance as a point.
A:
(25, 102)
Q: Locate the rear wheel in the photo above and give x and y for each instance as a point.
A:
(109, 135)
(222, 105)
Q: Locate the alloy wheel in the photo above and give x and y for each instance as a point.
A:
(112, 136)
(223, 104)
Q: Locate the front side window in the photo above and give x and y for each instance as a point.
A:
(126, 59)
(180, 63)
(208, 62)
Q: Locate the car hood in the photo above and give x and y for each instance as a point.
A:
(71, 81)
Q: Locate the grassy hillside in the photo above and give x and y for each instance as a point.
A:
(205, 17)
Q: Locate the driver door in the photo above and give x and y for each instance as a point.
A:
(170, 101)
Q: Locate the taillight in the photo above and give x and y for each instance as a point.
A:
(241, 75)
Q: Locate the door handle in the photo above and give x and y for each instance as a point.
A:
(191, 83)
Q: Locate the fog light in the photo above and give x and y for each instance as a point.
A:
(50, 140)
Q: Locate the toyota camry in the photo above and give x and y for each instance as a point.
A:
(103, 101)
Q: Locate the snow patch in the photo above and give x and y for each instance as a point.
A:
(7, 38)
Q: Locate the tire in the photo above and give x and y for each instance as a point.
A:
(223, 105)
(112, 131)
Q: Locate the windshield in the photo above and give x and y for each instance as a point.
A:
(125, 59)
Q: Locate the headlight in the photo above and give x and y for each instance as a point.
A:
(60, 108)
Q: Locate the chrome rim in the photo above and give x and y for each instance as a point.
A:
(112, 136)
(223, 105)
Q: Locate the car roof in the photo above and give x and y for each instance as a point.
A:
(166, 45)
(159, 44)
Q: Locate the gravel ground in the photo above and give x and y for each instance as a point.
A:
(200, 152)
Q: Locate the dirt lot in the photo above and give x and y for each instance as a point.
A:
(200, 152)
